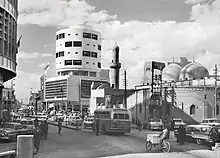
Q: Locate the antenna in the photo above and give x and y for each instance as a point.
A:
(173, 59)
(193, 59)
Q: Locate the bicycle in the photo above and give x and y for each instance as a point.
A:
(153, 140)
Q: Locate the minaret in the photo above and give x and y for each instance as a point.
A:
(115, 68)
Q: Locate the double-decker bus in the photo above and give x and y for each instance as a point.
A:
(113, 120)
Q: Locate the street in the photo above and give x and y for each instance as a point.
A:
(85, 144)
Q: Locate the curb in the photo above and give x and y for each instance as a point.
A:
(67, 127)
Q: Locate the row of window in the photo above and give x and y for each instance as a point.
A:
(90, 54)
(78, 44)
(85, 35)
(77, 62)
(85, 53)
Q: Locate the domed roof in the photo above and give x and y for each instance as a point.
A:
(171, 72)
(193, 71)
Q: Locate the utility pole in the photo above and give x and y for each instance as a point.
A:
(215, 99)
(125, 91)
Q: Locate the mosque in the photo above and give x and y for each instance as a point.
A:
(181, 89)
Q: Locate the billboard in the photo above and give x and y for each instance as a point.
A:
(149, 66)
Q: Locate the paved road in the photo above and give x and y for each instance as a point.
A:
(85, 144)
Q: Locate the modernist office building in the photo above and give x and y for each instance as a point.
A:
(78, 64)
(8, 39)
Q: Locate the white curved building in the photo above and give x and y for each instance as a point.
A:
(78, 65)
(78, 51)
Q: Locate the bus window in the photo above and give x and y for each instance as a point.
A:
(121, 116)
(126, 116)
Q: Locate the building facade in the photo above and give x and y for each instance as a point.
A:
(8, 42)
(78, 51)
(78, 64)
(187, 91)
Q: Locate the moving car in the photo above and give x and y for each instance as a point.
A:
(28, 123)
(11, 130)
(155, 124)
(178, 122)
(73, 120)
(88, 122)
(197, 133)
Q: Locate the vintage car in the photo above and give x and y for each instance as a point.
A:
(155, 124)
(11, 130)
(197, 133)
(211, 122)
(73, 120)
(28, 123)
(178, 122)
(88, 122)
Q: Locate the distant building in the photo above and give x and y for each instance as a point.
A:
(8, 42)
(78, 64)
(187, 91)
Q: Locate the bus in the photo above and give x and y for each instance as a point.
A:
(113, 120)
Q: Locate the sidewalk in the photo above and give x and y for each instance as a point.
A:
(65, 126)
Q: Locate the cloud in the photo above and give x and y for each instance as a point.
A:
(138, 40)
(26, 81)
(25, 55)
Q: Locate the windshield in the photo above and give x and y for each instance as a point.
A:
(177, 120)
(9, 126)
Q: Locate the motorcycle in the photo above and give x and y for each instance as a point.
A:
(153, 140)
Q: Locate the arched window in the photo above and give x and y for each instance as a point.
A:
(192, 109)
(217, 109)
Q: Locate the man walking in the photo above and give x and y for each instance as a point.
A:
(59, 126)
(37, 139)
(97, 125)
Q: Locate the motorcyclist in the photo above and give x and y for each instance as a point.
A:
(163, 135)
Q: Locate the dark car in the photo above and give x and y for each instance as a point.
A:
(11, 130)
(197, 133)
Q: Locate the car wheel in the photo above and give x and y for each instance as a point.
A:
(198, 141)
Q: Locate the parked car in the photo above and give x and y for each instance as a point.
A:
(197, 133)
(88, 122)
(211, 122)
(28, 123)
(11, 130)
(59, 116)
(75, 119)
(155, 124)
(178, 122)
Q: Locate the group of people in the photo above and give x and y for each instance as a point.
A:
(40, 133)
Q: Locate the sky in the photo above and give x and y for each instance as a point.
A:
(144, 30)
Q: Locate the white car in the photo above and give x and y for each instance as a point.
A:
(156, 124)
(75, 119)
(178, 122)
(211, 122)
(88, 122)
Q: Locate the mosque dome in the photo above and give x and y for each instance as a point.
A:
(193, 71)
(171, 72)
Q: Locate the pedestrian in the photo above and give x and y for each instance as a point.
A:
(181, 135)
(97, 125)
(45, 130)
(172, 125)
(37, 139)
(213, 136)
(59, 126)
